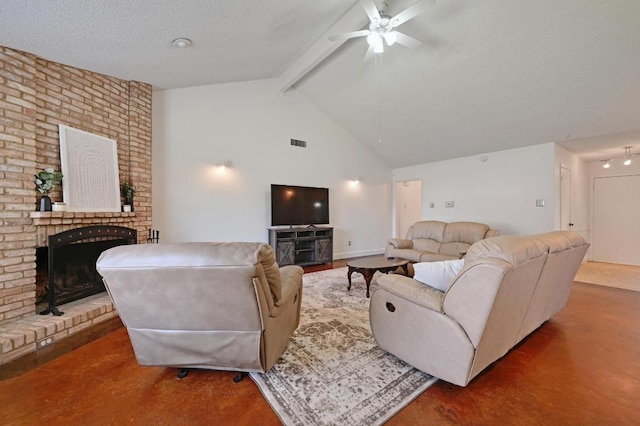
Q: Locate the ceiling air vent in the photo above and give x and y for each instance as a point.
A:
(296, 142)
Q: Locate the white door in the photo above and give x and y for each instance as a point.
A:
(408, 205)
(616, 219)
(565, 199)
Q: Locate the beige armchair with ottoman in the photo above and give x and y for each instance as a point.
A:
(432, 240)
(224, 306)
(507, 287)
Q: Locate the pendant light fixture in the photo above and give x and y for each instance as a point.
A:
(626, 160)
(627, 155)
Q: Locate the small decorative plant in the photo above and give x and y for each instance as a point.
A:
(47, 179)
(127, 190)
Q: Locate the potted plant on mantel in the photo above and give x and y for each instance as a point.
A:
(45, 181)
(127, 190)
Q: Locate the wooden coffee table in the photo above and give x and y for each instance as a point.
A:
(368, 266)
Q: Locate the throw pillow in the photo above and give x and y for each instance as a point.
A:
(438, 275)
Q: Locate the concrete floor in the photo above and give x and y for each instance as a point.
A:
(581, 367)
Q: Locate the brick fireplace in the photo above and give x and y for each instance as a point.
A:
(35, 96)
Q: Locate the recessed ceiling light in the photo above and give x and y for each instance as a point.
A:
(181, 42)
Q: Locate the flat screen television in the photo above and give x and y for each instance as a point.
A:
(299, 205)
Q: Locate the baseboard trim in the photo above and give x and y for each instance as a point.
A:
(359, 253)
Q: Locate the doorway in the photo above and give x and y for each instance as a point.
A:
(565, 199)
(616, 209)
(408, 202)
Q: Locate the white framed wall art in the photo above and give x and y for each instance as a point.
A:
(89, 164)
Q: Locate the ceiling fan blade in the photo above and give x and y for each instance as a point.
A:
(346, 36)
(410, 12)
(408, 41)
(371, 9)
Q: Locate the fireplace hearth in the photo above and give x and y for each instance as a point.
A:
(71, 264)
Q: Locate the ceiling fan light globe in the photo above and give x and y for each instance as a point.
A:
(378, 48)
(627, 162)
(390, 38)
(373, 39)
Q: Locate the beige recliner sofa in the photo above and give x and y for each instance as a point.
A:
(508, 286)
(224, 306)
(432, 240)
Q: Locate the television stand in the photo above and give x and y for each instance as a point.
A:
(302, 246)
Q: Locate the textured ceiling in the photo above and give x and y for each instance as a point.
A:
(233, 40)
(493, 75)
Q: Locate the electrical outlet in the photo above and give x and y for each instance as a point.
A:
(44, 342)
(349, 244)
(449, 204)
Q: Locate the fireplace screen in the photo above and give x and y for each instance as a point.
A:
(72, 259)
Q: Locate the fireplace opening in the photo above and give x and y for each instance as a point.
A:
(66, 269)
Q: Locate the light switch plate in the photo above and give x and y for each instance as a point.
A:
(540, 203)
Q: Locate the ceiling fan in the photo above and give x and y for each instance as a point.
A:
(382, 27)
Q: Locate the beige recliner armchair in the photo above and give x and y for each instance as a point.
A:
(223, 306)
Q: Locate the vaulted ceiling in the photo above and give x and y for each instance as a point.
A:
(492, 75)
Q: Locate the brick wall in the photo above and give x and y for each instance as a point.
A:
(35, 96)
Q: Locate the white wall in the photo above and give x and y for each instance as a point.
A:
(501, 191)
(250, 125)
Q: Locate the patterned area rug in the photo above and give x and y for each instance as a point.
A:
(333, 372)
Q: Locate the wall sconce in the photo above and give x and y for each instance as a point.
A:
(226, 164)
(606, 164)
(354, 182)
(222, 167)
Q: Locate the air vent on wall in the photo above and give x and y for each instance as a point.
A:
(296, 142)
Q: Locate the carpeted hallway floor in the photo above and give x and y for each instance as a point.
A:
(610, 275)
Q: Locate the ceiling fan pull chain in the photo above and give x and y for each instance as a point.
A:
(378, 78)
